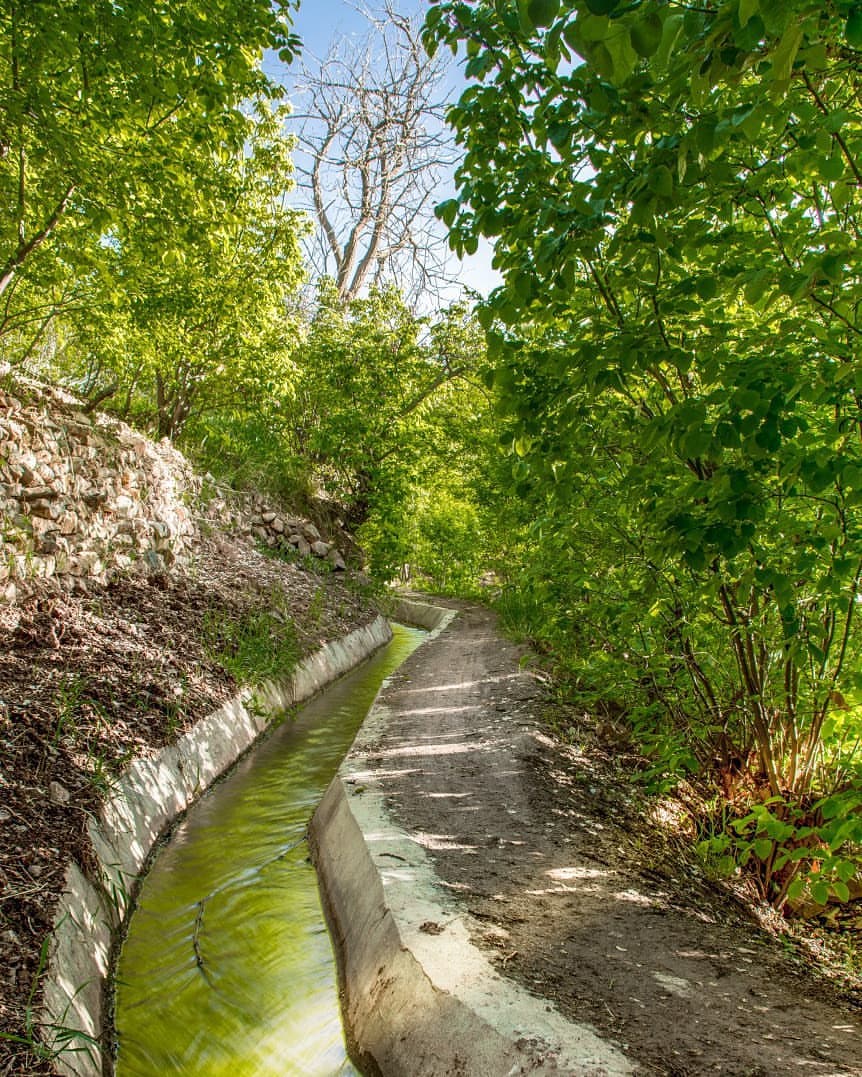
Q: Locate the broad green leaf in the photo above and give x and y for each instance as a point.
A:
(841, 890)
(758, 284)
(763, 848)
(646, 34)
(853, 28)
(785, 53)
(832, 167)
(541, 13)
(671, 33)
(623, 56)
(602, 7)
(796, 889)
(820, 892)
(595, 28)
(447, 211)
(747, 8)
(661, 181)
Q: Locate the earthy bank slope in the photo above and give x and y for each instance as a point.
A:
(561, 874)
(130, 587)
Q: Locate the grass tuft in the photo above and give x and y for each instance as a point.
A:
(262, 645)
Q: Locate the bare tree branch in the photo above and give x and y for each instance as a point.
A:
(372, 151)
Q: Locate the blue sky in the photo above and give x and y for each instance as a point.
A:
(317, 23)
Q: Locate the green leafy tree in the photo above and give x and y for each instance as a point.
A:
(370, 369)
(674, 197)
(190, 317)
(386, 408)
(111, 114)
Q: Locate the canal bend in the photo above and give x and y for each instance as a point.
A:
(228, 967)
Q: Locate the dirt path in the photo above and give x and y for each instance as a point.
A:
(574, 894)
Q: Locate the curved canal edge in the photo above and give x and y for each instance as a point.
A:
(418, 997)
(146, 800)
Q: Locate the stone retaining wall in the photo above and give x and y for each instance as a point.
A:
(83, 497)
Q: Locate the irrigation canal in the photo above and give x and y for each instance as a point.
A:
(228, 967)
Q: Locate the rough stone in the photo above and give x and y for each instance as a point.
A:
(41, 525)
(87, 563)
(47, 543)
(44, 567)
(99, 497)
(123, 505)
(48, 510)
(154, 561)
(94, 498)
(68, 523)
(58, 793)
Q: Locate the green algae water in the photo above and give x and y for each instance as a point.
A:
(228, 967)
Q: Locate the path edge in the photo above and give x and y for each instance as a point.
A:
(418, 998)
(147, 798)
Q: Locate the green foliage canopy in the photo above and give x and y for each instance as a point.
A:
(674, 195)
(188, 317)
(110, 111)
(386, 409)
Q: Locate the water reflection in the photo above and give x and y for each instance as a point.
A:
(228, 967)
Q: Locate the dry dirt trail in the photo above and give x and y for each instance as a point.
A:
(543, 854)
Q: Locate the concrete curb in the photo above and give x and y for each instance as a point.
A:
(423, 615)
(147, 798)
(419, 999)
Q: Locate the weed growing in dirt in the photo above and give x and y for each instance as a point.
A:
(69, 697)
(174, 715)
(102, 774)
(315, 566)
(63, 1039)
(260, 645)
(281, 551)
(315, 606)
(363, 586)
